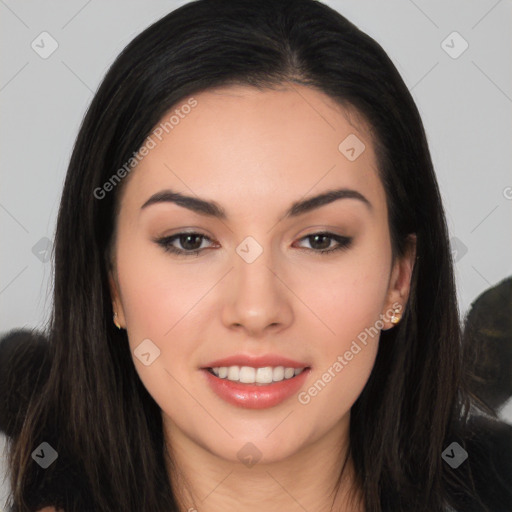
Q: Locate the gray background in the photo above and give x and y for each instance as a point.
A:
(465, 102)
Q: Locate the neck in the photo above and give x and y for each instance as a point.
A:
(205, 482)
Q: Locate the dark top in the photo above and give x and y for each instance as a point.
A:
(24, 365)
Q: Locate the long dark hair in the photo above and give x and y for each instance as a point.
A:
(101, 416)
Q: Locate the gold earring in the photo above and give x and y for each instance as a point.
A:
(396, 315)
(116, 323)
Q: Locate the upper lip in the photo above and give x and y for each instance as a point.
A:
(256, 361)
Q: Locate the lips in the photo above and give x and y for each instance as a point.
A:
(256, 361)
(256, 396)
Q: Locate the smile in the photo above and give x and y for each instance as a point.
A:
(250, 375)
(247, 392)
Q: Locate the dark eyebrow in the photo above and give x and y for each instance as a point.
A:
(213, 209)
(311, 203)
(201, 206)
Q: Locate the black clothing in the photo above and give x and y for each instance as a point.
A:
(24, 365)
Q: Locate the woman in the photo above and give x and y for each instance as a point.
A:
(254, 302)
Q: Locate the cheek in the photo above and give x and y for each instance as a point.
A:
(353, 317)
(345, 356)
(350, 307)
(157, 293)
(160, 302)
(344, 298)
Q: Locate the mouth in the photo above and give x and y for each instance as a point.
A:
(259, 376)
(254, 387)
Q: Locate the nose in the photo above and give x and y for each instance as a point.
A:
(258, 299)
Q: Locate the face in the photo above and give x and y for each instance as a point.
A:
(269, 287)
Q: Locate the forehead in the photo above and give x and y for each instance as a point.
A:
(268, 146)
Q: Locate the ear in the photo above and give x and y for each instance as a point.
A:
(116, 299)
(400, 283)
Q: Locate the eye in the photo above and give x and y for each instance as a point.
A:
(191, 243)
(321, 242)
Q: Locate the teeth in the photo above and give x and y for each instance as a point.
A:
(250, 375)
(233, 373)
(278, 373)
(246, 375)
(264, 375)
(289, 373)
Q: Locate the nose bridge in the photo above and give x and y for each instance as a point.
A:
(258, 298)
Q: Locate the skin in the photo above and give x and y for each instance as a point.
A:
(255, 152)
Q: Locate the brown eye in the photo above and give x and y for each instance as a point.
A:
(322, 243)
(190, 243)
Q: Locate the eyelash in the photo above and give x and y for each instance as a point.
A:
(344, 242)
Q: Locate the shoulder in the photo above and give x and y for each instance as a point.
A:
(490, 442)
(62, 486)
(24, 367)
(25, 363)
(486, 470)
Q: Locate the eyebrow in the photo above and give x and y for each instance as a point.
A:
(213, 209)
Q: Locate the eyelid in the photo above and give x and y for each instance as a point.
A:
(343, 242)
(165, 242)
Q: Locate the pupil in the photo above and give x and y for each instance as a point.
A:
(325, 237)
(185, 241)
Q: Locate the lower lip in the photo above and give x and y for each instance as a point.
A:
(253, 396)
